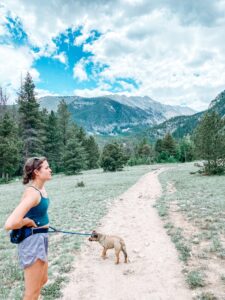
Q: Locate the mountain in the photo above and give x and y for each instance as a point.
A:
(113, 114)
(183, 125)
(146, 103)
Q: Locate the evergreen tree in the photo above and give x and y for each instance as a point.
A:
(186, 146)
(52, 142)
(93, 153)
(75, 155)
(29, 119)
(3, 102)
(81, 135)
(44, 117)
(113, 157)
(169, 144)
(209, 140)
(144, 153)
(9, 147)
(64, 123)
(159, 146)
(166, 149)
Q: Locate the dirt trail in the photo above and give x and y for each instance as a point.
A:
(154, 271)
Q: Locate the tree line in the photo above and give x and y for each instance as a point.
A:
(30, 131)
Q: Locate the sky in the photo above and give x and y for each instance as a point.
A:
(170, 50)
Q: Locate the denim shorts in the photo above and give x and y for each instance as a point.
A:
(33, 248)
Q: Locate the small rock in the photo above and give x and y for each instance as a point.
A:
(128, 272)
(136, 251)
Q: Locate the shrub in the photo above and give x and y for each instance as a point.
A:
(195, 279)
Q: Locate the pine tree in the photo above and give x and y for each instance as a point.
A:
(64, 123)
(30, 119)
(52, 142)
(3, 102)
(159, 146)
(113, 158)
(169, 144)
(209, 138)
(75, 155)
(93, 153)
(9, 147)
(186, 152)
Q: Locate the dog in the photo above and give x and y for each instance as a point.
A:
(110, 242)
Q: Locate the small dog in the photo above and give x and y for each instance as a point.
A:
(110, 242)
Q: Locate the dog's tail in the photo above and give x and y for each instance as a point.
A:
(124, 252)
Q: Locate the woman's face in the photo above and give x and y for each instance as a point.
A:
(44, 173)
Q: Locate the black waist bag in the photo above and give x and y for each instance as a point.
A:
(18, 235)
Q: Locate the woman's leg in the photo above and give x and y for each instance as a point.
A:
(45, 275)
(33, 276)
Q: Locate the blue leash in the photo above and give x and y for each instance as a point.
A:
(54, 230)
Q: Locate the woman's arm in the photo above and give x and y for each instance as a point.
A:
(16, 219)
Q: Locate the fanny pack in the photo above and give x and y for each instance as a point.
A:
(18, 235)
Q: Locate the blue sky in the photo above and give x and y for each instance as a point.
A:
(172, 51)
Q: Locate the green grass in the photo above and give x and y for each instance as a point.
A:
(74, 206)
(195, 279)
(206, 296)
(201, 198)
(193, 215)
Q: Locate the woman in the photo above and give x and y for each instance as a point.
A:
(32, 212)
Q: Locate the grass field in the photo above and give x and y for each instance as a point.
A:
(193, 209)
(72, 208)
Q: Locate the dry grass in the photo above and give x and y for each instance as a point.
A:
(193, 209)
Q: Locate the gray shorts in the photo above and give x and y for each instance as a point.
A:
(32, 248)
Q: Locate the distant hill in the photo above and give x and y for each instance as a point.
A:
(115, 115)
(183, 125)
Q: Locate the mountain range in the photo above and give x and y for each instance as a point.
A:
(182, 125)
(114, 114)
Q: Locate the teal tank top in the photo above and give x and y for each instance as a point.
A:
(39, 213)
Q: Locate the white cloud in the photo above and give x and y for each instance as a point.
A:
(17, 62)
(61, 57)
(97, 92)
(85, 34)
(79, 71)
(174, 51)
(43, 93)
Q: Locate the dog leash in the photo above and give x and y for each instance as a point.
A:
(54, 230)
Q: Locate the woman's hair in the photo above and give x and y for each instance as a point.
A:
(32, 164)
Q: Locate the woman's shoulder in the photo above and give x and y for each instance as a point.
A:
(31, 195)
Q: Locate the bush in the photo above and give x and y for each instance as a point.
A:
(113, 158)
(195, 279)
(80, 184)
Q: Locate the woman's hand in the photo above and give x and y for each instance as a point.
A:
(28, 222)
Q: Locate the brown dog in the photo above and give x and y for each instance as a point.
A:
(110, 242)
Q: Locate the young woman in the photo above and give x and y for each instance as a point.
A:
(32, 212)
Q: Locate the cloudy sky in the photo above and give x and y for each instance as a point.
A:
(170, 50)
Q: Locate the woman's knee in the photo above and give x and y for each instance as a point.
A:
(31, 294)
